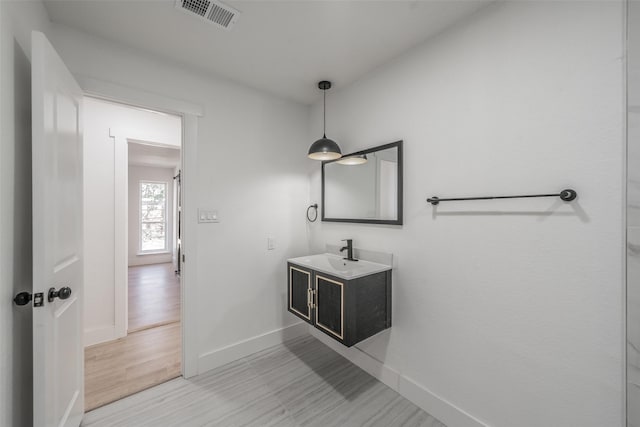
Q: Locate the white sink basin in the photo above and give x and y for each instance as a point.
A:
(337, 266)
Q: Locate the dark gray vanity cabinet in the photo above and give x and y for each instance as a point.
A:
(348, 311)
(329, 305)
(300, 292)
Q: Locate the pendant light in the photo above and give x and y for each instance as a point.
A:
(324, 148)
(353, 160)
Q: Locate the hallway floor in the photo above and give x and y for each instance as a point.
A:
(140, 360)
(154, 296)
(299, 383)
(151, 352)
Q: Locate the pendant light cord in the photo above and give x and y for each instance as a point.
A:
(324, 114)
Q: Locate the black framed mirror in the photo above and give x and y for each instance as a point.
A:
(364, 187)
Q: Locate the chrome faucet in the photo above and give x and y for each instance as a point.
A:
(349, 249)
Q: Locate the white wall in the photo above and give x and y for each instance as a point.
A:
(16, 22)
(251, 149)
(146, 173)
(510, 310)
(633, 217)
(105, 287)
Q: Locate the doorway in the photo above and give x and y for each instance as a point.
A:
(133, 331)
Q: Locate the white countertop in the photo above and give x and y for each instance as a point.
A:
(338, 266)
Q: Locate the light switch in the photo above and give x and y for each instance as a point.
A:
(271, 243)
(208, 215)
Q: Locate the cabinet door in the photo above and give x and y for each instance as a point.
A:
(299, 289)
(330, 306)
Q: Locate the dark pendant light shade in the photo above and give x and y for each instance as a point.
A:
(324, 148)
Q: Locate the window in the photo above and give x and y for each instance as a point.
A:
(153, 216)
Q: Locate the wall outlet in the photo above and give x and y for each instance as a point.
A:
(208, 215)
(271, 243)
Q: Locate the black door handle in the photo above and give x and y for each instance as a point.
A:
(63, 293)
(23, 298)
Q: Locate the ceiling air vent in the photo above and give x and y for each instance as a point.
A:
(211, 11)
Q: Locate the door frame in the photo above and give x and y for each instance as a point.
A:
(188, 282)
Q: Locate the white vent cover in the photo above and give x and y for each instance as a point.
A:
(211, 11)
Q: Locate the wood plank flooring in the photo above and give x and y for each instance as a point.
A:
(299, 383)
(128, 365)
(154, 296)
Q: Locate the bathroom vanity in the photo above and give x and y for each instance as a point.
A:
(347, 300)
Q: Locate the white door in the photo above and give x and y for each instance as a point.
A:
(58, 362)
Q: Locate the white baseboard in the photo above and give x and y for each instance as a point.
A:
(438, 407)
(136, 260)
(222, 356)
(100, 335)
(381, 372)
(445, 411)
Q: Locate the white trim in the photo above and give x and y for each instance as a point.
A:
(189, 113)
(158, 252)
(136, 97)
(167, 234)
(359, 358)
(189, 242)
(440, 408)
(222, 356)
(154, 144)
(100, 335)
(150, 259)
(121, 227)
(435, 405)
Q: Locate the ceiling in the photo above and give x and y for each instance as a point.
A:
(282, 47)
(144, 154)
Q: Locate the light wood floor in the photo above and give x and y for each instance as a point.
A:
(300, 383)
(151, 352)
(136, 362)
(154, 296)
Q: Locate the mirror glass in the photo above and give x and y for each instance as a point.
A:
(364, 187)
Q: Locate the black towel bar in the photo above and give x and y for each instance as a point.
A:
(566, 195)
